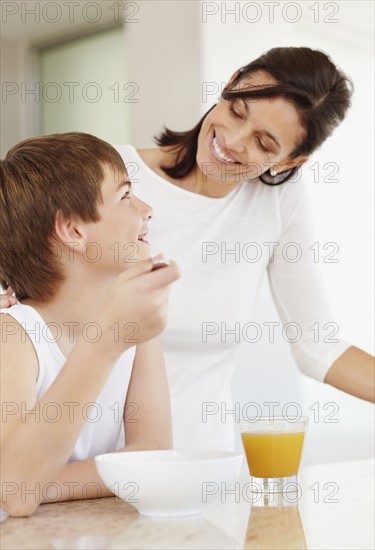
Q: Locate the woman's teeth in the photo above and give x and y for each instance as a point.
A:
(220, 153)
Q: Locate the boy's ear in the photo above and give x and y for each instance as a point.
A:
(69, 232)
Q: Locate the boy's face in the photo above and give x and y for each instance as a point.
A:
(119, 239)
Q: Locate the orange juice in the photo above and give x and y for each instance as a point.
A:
(273, 454)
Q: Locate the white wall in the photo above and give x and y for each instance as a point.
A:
(343, 210)
(160, 55)
(25, 27)
(17, 67)
(96, 100)
(164, 59)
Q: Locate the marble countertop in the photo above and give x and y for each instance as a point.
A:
(334, 510)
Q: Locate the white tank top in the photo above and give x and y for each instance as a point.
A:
(103, 429)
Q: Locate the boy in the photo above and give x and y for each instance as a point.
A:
(66, 359)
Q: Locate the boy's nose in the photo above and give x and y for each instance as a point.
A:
(147, 211)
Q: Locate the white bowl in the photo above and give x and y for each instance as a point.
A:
(169, 483)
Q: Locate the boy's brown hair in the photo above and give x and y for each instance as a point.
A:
(38, 177)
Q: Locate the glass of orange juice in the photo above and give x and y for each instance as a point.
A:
(273, 449)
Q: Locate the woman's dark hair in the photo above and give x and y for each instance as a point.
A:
(320, 92)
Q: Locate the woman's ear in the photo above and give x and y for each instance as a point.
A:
(69, 232)
(288, 164)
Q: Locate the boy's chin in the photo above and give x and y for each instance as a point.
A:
(131, 259)
(144, 254)
(140, 257)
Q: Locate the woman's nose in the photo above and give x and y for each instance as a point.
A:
(236, 142)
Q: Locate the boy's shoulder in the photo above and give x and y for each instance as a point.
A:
(19, 373)
(17, 350)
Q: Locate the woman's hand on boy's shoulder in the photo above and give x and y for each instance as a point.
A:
(7, 299)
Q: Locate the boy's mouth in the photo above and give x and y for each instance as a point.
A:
(142, 238)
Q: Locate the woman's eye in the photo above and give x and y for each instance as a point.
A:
(234, 112)
(262, 146)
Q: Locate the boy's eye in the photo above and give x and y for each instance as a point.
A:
(127, 195)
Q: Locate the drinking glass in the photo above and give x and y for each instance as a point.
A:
(273, 449)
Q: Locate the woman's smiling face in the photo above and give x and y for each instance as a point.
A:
(242, 138)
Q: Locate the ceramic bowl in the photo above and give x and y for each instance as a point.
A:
(169, 483)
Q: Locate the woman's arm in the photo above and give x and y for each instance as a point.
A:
(354, 373)
(300, 298)
(7, 299)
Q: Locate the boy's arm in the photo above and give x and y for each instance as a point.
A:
(147, 420)
(147, 413)
(34, 449)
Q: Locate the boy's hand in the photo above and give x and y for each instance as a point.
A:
(7, 300)
(133, 309)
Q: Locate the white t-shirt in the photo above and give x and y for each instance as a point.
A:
(218, 287)
(103, 428)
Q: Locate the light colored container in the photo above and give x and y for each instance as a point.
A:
(168, 483)
(273, 448)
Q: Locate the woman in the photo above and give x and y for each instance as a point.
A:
(222, 213)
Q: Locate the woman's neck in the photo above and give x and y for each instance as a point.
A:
(195, 182)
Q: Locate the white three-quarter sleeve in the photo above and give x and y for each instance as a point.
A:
(297, 287)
